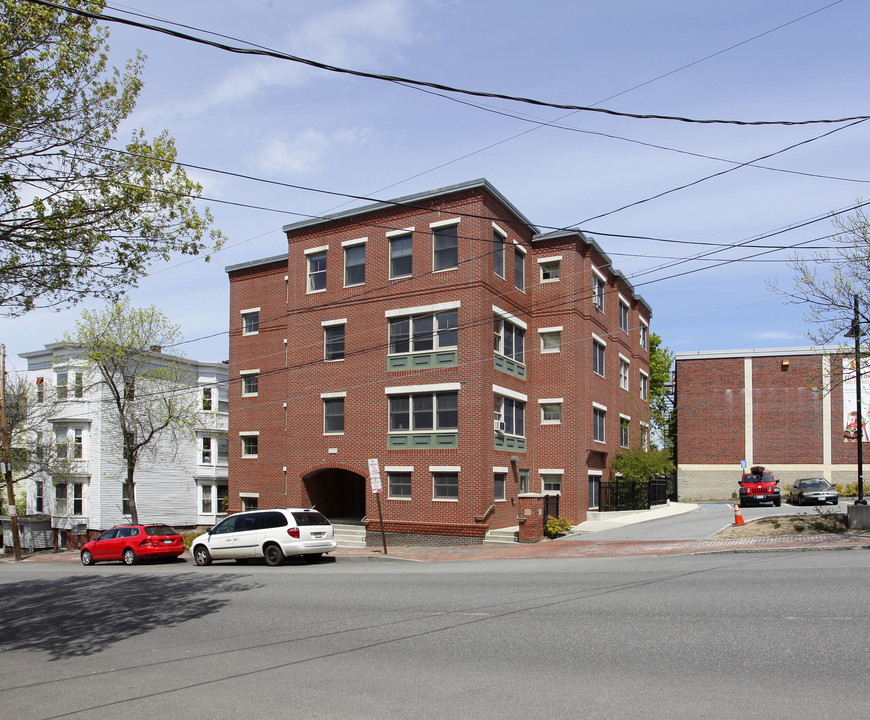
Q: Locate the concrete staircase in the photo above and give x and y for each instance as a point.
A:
(502, 536)
(349, 536)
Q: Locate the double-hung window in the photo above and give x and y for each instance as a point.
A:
(551, 481)
(551, 339)
(316, 261)
(598, 290)
(499, 484)
(69, 442)
(250, 382)
(445, 245)
(333, 339)
(644, 386)
(551, 411)
(510, 411)
(624, 425)
(424, 411)
(401, 253)
(354, 262)
(69, 499)
(425, 332)
(599, 415)
(61, 380)
(550, 268)
(251, 321)
(333, 413)
(445, 483)
(509, 339)
(598, 346)
(644, 335)
(623, 314)
(499, 237)
(250, 444)
(399, 482)
(623, 371)
(206, 398)
(519, 267)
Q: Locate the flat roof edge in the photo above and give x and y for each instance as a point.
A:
(255, 263)
(414, 198)
(763, 352)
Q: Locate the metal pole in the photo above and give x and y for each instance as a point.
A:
(857, 332)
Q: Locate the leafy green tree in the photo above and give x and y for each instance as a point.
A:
(150, 395)
(77, 218)
(638, 465)
(661, 362)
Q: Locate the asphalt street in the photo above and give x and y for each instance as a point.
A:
(676, 637)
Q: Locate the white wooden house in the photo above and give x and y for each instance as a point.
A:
(182, 483)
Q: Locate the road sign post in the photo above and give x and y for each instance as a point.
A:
(375, 479)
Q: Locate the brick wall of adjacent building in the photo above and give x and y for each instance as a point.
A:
(790, 419)
(287, 412)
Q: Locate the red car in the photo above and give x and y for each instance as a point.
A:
(131, 543)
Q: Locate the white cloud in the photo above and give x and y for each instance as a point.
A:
(305, 152)
(359, 37)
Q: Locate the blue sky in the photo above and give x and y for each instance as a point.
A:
(285, 122)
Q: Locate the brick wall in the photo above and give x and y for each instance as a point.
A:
(292, 437)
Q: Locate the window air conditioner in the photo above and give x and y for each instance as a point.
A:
(498, 426)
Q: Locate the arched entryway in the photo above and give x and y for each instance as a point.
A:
(337, 493)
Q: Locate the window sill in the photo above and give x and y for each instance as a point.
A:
(399, 499)
(452, 500)
(314, 292)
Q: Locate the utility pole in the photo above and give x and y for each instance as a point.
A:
(6, 464)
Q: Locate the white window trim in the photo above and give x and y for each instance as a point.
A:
(247, 311)
(444, 223)
(246, 373)
(501, 232)
(599, 406)
(436, 387)
(249, 494)
(399, 233)
(625, 359)
(445, 468)
(550, 351)
(250, 433)
(330, 323)
(505, 315)
(554, 258)
(399, 468)
(623, 416)
(518, 246)
(513, 394)
(645, 375)
(352, 243)
(312, 251)
(422, 309)
(331, 396)
(599, 340)
(550, 401)
(500, 470)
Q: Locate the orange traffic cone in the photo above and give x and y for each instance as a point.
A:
(738, 516)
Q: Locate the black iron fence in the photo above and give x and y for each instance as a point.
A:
(625, 495)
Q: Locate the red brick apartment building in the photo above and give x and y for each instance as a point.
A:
(792, 410)
(475, 358)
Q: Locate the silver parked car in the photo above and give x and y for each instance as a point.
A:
(815, 490)
(268, 534)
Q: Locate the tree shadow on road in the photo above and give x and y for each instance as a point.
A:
(76, 616)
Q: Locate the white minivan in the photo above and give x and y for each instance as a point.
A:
(268, 534)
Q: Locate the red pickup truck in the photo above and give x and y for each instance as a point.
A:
(758, 486)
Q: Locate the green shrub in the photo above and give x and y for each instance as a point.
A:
(555, 527)
(190, 536)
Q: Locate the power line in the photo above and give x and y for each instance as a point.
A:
(263, 52)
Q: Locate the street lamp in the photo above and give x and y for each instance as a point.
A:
(855, 332)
